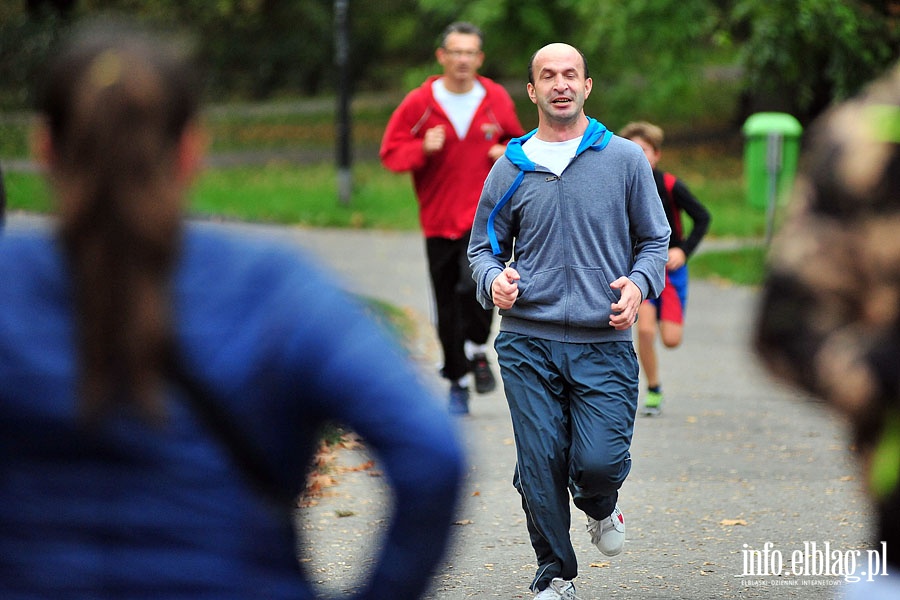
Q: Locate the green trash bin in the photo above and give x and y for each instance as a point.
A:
(770, 157)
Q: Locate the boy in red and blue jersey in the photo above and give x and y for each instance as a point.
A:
(666, 313)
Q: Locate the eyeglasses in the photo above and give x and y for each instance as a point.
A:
(462, 53)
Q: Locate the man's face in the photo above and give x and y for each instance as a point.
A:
(461, 56)
(560, 88)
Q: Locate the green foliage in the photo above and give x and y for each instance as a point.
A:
(801, 55)
(675, 60)
(648, 58)
(701, 62)
(14, 131)
(642, 55)
(249, 48)
(332, 434)
(25, 44)
(514, 29)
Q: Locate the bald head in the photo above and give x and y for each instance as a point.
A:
(554, 51)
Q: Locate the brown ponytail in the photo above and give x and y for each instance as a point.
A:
(116, 104)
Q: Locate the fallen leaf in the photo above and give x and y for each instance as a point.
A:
(361, 467)
(464, 522)
(732, 522)
(317, 481)
(323, 456)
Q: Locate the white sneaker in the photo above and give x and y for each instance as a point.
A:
(559, 589)
(608, 534)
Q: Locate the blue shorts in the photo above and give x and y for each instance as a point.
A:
(672, 301)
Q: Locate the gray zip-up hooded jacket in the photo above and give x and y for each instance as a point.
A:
(570, 236)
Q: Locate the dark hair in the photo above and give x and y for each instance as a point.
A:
(531, 65)
(463, 27)
(116, 101)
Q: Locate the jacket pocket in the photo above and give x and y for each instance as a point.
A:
(590, 297)
(541, 296)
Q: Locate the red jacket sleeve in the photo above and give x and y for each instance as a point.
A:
(506, 114)
(401, 147)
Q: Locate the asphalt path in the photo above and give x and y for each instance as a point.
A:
(737, 473)
(737, 481)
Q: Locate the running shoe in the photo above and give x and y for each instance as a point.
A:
(559, 589)
(484, 377)
(608, 534)
(459, 399)
(652, 404)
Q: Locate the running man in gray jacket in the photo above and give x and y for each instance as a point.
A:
(569, 238)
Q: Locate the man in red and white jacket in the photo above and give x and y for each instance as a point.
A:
(448, 132)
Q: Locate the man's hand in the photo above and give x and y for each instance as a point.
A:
(624, 312)
(505, 288)
(434, 139)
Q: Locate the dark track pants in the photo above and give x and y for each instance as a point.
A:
(572, 408)
(459, 315)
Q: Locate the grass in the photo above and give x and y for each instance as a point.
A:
(307, 194)
(743, 266)
(393, 318)
(26, 192)
(714, 172)
(304, 192)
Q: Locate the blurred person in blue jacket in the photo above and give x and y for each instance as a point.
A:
(164, 384)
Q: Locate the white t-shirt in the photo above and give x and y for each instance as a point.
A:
(460, 108)
(556, 156)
